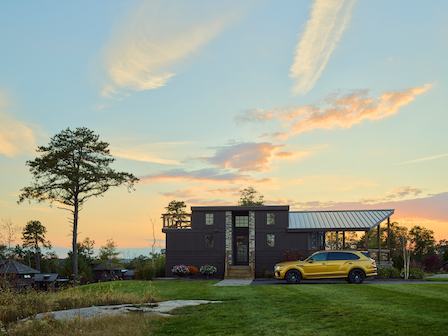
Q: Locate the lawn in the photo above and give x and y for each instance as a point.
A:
(322, 309)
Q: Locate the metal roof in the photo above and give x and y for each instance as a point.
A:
(337, 220)
(14, 267)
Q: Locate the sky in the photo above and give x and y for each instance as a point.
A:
(319, 105)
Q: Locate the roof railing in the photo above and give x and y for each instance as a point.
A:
(176, 221)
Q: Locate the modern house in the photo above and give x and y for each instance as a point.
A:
(242, 240)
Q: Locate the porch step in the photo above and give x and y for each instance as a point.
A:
(239, 272)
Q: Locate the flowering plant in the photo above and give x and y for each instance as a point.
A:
(180, 270)
(193, 270)
(208, 269)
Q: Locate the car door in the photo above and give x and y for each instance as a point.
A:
(338, 264)
(316, 266)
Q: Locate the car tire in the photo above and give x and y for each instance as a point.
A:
(293, 277)
(356, 276)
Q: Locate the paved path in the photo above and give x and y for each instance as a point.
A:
(234, 282)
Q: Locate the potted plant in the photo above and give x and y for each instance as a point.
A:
(208, 270)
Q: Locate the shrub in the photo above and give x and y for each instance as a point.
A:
(180, 270)
(208, 270)
(432, 263)
(414, 273)
(292, 255)
(388, 273)
(193, 270)
(145, 273)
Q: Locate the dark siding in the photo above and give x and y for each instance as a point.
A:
(188, 246)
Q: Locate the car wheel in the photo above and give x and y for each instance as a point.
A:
(293, 277)
(356, 276)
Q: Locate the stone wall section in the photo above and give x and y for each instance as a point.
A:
(252, 234)
(229, 237)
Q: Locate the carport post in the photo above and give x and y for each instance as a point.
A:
(388, 239)
(366, 237)
(379, 244)
(343, 240)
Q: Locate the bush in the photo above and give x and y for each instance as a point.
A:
(432, 263)
(193, 270)
(208, 270)
(180, 270)
(414, 273)
(146, 273)
(388, 273)
(292, 255)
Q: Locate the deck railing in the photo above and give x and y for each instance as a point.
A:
(176, 221)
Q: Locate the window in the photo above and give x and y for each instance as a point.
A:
(208, 219)
(320, 256)
(270, 238)
(342, 256)
(270, 218)
(314, 241)
(27, 276)
(209, 240)
(241, 221)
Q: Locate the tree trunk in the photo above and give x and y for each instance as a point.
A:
(74, 243)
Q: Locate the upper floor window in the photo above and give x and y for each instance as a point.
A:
(270, 239)
(241, 221)
(208, 219)
(270, 218)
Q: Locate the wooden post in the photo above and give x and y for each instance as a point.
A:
(379, 245)
(388, 239)
(343, 240)
(366, 236)
(337, 240)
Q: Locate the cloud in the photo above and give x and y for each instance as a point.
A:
(178, 194)
(353, 108)
(328, 20)
(16, 137)
(393, 194)
(225, 191)
(422, 159)
(251, 156)
(341, 111)
(253, 115)
(146, 50)
(142, 153)
(206, 174)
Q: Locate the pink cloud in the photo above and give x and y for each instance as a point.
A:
(178, 193)
(244, 157)
(207, 174)
(343, 112)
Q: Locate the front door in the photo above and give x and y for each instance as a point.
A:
(241, 239)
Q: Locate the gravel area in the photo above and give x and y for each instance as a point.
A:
(160, 308)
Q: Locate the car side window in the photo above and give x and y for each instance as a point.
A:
(352, 256)
(320, 257)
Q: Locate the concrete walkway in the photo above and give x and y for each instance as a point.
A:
(234, 282)
(438, 276)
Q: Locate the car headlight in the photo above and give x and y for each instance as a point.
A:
(278, 268)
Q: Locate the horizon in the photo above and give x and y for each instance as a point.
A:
(320, 105)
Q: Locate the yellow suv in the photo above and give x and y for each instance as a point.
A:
(353, 266)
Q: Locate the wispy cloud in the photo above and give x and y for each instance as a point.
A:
(251, 156)
(393, 195)
(179, 193)
(328, 20)
(341, 111)
(422, 159)
(142, 153)
(206, 174)
(146, 51)
(16, 137)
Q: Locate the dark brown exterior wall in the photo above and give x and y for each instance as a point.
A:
(266, 256)
(187, 246)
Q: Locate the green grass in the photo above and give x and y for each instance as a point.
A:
(322, 309)
(437, 279)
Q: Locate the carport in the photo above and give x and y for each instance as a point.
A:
(344, 221)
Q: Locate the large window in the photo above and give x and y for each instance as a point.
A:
(270, 218)
(270, 239)
(314, 241)
(209, 240)
(208, 219)
(241, 221)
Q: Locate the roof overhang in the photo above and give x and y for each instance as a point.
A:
(337, 220)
